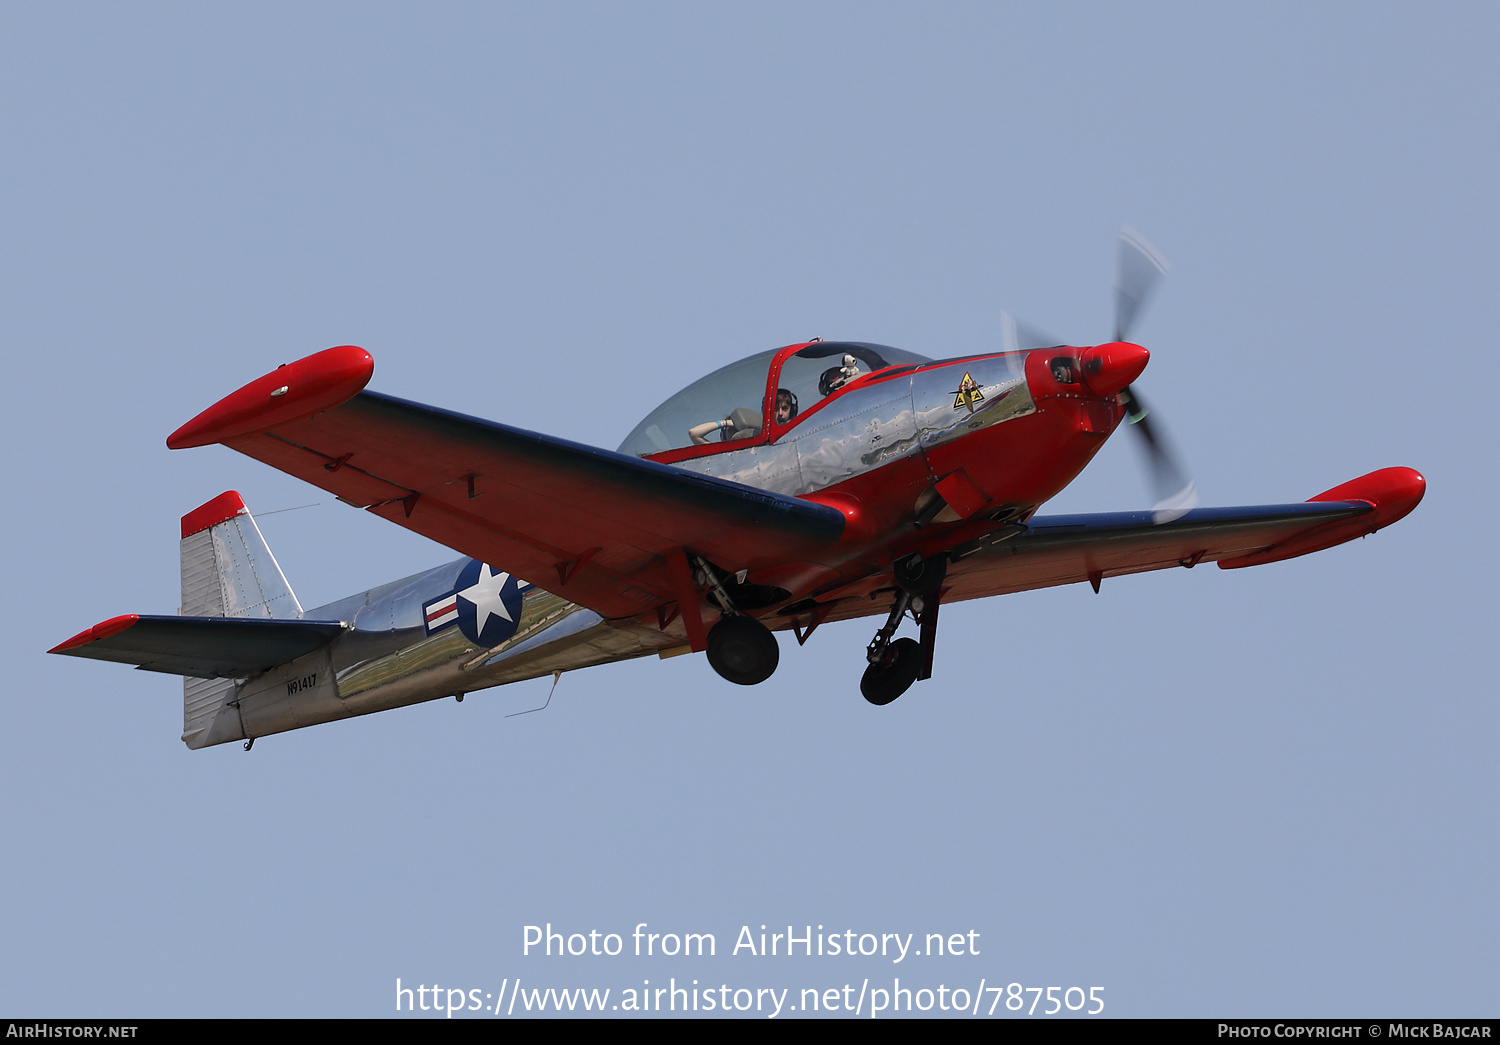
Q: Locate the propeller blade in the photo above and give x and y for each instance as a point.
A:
(1170, 483)
(1016, 336)
(1139, 269)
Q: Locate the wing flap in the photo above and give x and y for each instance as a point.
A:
(201, 647)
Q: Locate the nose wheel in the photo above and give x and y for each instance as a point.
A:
(893, 673)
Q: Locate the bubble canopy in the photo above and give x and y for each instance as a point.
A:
(736, 394)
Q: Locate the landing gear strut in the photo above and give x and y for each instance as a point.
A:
(876, 649)
(893, 665)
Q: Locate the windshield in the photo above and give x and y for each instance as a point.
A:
(728, 404)
(820, 369)
(716, 398)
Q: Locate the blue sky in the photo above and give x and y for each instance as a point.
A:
(1262, 792)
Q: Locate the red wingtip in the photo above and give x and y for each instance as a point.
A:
(1394, 492)
(289, 393)
(113, 626)
(1391, 492)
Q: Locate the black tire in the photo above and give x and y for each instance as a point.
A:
(921, 578)
(897, 669)
(743, 650)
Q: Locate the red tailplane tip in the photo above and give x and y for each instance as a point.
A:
(113, 626)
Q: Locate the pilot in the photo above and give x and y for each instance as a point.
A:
(786, 406)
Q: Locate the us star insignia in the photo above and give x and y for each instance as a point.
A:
(486, 593)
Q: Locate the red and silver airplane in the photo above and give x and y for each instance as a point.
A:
(813, 483)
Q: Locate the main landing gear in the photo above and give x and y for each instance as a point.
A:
(894, 666)
(740, 648)
(743, 650)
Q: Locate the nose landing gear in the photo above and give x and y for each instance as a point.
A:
(892, 673)
(894, 666)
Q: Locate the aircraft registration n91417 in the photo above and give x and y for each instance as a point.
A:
(813, 483)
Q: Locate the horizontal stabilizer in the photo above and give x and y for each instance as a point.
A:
(203, 647)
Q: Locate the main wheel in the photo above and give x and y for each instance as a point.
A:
(893, 674)
(922, 577)
(743, 650)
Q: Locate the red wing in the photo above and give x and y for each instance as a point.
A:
(589, 524)
(1067, 549)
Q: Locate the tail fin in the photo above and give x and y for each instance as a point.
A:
(227, 571)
